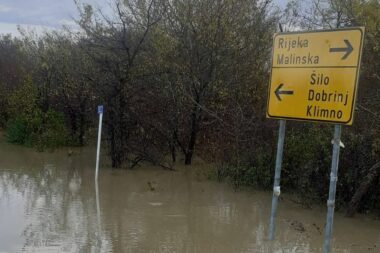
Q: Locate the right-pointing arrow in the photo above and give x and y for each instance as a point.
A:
(279, 92)
(348, 49)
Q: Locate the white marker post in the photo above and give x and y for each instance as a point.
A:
(99, 242)
(100, 112)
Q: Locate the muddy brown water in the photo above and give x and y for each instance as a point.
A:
(48, 204)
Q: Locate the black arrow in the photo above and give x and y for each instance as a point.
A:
(279, 92)
(348, 49)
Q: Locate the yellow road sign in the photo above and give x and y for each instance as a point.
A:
(314, 75)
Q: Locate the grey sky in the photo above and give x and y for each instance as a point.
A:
(39, 14)
(45, 14)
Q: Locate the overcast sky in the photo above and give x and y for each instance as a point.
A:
(45, 14)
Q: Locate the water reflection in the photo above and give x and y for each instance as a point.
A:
(51, 203)
(49, 209)
(98, 221)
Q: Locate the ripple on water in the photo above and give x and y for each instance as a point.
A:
(48, 204)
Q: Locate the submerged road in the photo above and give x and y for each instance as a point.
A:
(48, 203)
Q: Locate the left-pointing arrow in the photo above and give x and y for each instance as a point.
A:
(280, 92)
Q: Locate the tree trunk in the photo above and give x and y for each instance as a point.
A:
(82, 122)
(188, 158)
(74, 126)
(81, 130)
(117, 127)
(374, 172)
(112, 141)
(193, 135)
(173, 152)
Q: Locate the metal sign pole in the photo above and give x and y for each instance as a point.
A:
(332, 190)
(99, 227)
(100, 112)
(277, 177)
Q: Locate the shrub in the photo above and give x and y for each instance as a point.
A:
(244, 175)
(52, 133)
(29, 125)
(43, 131)
(17, 131)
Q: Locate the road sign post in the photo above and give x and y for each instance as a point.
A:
(332, 189)
(314, 77)
(99, 229)
(100, 112)
(277, 177)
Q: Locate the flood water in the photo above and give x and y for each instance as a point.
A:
(48, 203)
